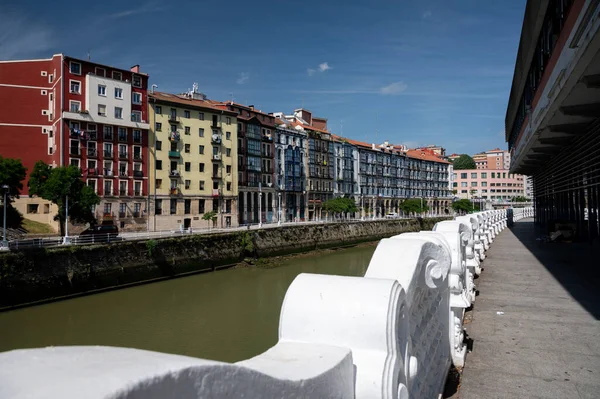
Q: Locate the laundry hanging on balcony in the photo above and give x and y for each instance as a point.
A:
(174, 136)
(82, 134)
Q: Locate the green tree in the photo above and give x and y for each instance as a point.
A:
(12, 173)
(462, 206)
(210, 217)
(520, 199)
(340, 205)
(55, 184)
(464, 162)
(413, 205)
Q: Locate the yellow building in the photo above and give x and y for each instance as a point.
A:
(193, 162)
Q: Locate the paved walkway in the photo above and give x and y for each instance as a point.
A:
(547, 342)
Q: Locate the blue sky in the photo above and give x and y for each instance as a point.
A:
(418, 73)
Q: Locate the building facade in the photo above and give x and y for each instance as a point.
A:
(291, 146)
(194, 147)
(89, 115)
(257, 198)
(345, 184)
(496, 185)
(428, 179)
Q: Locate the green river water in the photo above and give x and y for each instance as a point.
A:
(227, 315)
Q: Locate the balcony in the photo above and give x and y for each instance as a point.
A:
(123, 173)
(93, 135)
(174, 118)
(108, 173)
(174, 137)
(123, 138)
(137, 139)
(122, 192)
(215, 192)
(216, 139)
(174, 191)
(108, 154)
(216, 157)
(108, 136)
(92, 153)
(74, 151)
(138, 173)
(217, 175)
(122, 215)
(137, 193)
(123, 155)
(137, 156)
(214, 125)
(136, 214)
(174, 173)
(174, 154)
(92, 172)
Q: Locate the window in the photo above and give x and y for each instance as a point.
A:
(463, 184)
(117, 75)
(118, 92)
(473, 184)
(228, 169)
(201, 206)
(493, 175)
(75, 68)
(228, 135)
(136, 98)
(158, 183)
(201, 149)
(187, 204)
(187, 166)
(483, 184)
(463, 175)
(228, 186)
(228, 120)
(173, 204)
(102, 90)
(74, 106)
(201, 184)
(187, 148)
(186, 130)
(201, 132)
(137, 81)
(201, 167)
(201, 116)
(188, 183)
(108, 132)
(483, 175)
(186, 114)
(158, 109)
(158, 126)
(100, 71)
(137, 136)
(122, 134)
(158, 164)
(228, 152)
(136, 116)
(101, 110)
(455, 184)
(159, 145)
(504, 175)
(75, 87)
(474, 175)
(118, 113)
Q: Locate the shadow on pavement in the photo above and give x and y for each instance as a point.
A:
(576, 266)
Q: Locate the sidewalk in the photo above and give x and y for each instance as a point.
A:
(546, 344)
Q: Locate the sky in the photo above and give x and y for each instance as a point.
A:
(409, 72)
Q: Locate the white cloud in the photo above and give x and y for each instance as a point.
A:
(324, 67)
(243, 78)
(426, 14)
(145, 8)
(393, 88)
(21, 37)
(310, 71)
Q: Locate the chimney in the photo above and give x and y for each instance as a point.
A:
(251, 107)
(135, 68)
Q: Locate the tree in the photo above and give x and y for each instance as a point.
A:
(210, 217)
(520, 199)
(464, 162)
(340, 205)
(12, 173)
(413, 205)
(56, 184)
(462, 206)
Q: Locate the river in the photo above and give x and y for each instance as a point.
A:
(228, 315)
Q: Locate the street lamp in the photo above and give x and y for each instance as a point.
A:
(66, 238)
(4, 244)
(279, 211)
(259, 205)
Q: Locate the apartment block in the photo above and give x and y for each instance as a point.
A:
(497, 185)
(68, 111)
(194, 159)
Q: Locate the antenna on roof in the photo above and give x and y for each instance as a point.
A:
(89, 54)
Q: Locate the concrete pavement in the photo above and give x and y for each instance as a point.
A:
(546, 344)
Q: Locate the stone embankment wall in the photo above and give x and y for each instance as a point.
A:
(42, 274)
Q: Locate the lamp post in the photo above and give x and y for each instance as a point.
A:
(279, 211)
(362, 207)
(66, 238)
(259, 205)
(4, 244)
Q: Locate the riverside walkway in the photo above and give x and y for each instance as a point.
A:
(535, 327)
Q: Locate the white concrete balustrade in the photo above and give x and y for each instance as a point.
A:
(391, 334)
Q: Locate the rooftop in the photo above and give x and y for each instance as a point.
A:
(188, 101)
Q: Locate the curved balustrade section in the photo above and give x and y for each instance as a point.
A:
(391, 334)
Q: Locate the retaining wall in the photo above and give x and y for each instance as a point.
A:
(41, 274)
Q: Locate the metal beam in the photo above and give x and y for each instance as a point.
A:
(558, 140)
(585, 110)
(591, 81)
(547, 150)
(569, 128)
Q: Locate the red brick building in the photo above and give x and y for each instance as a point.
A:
(67, 111)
